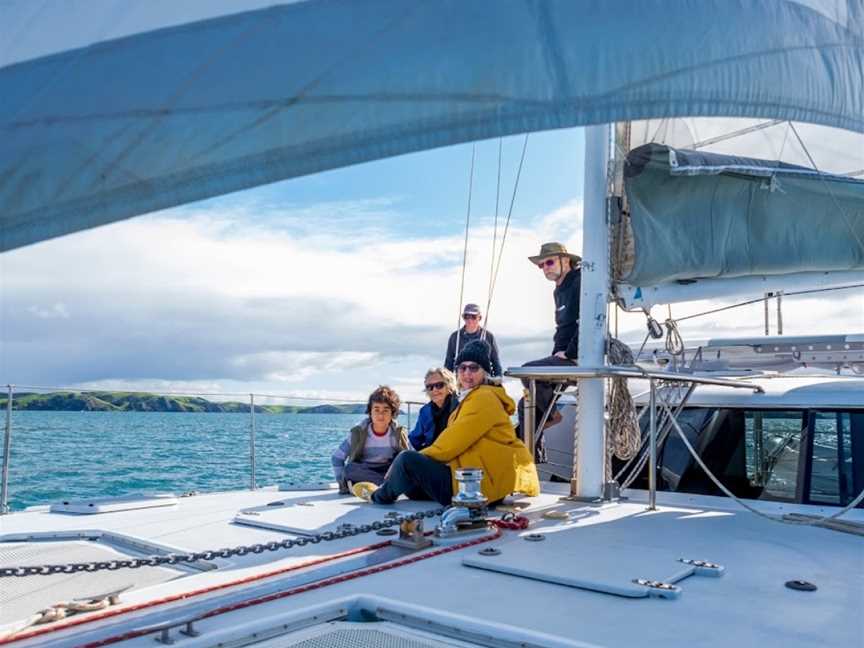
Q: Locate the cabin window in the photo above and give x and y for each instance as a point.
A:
(800, 455)
(772, 447)
(831, 473)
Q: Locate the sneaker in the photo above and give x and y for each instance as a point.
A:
(364, 490)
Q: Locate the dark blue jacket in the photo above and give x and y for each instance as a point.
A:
(424, 433)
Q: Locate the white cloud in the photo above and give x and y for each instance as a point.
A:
(57, 310)
(227, 302)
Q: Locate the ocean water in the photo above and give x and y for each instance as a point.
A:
(62, 455)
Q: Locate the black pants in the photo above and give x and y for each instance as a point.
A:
(357, 471)
(543, 390)
(417, 476)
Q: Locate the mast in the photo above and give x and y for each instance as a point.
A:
(592, 314)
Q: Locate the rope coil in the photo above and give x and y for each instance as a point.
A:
(624, 436)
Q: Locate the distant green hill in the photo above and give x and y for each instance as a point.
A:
(104, 401)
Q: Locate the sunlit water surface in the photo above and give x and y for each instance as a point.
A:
(63, 455)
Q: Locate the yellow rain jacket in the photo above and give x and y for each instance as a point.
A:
(479, 434)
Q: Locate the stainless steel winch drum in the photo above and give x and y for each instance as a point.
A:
(469, 494)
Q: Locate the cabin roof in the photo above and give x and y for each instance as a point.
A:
(779, 391)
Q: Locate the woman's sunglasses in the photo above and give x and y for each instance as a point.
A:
(438, 385)
(469, 367)
(470, 317)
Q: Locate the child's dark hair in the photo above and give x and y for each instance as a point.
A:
(386, 396)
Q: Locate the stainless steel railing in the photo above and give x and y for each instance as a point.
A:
(7, 454)
(253, 484)
(563, 375)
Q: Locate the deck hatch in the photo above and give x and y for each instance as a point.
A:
(22, 597)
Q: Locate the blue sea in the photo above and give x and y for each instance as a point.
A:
(62, 455)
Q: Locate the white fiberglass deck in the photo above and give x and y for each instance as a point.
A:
(747, 606)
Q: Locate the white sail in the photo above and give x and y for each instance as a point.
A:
(159, 118)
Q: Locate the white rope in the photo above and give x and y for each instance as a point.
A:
(674, 341)
(60, 611)
(464, 255)
(624, 437)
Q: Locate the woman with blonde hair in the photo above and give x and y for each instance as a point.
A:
(440, 385)
(479, 434)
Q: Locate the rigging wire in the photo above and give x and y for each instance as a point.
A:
(506, 226)
(465, 253)
(494, 232)
(761, 299)
(828, 187)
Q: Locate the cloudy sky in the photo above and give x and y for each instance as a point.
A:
(323, 286)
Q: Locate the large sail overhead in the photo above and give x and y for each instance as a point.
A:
(161, 118)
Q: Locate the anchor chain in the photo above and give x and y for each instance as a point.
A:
(344, 531)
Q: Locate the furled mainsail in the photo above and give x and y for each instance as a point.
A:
(696, 214)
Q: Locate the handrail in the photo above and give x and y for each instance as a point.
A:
(7, 453)
(567, 374)
(563, 375)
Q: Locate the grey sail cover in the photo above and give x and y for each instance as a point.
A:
(209, 104)
(696, 215)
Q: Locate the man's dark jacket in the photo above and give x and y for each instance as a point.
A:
(567, 315)
(464, 338)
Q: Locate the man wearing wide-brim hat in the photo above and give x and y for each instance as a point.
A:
(558, 265)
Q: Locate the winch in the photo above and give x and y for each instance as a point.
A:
(467, 514)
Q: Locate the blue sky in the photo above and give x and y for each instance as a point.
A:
(430, 189)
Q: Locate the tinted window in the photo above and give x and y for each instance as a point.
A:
(831, 479)
(772, 446)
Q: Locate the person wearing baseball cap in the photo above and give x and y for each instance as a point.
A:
(564, 268)
(472, 331)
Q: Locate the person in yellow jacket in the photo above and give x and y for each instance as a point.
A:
(479, 434)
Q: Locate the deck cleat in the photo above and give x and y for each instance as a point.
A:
(658, 589)
(411, 535)
(703, 567)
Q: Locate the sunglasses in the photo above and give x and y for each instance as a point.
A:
(547, 263)
(433, 386)
(470, 317)
(470, 367)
